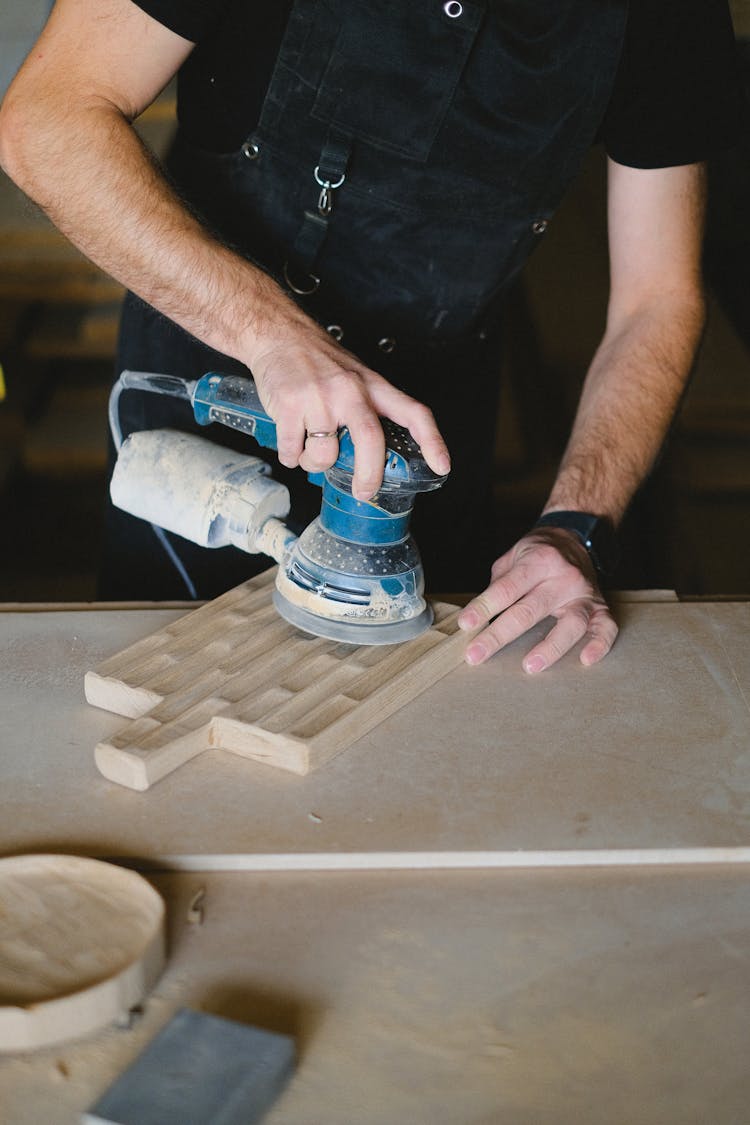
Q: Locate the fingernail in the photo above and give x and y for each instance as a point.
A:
(534, 664)
(468, 619)
(475, 654)
(444, 463)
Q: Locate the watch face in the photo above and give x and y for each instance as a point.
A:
(604, 549)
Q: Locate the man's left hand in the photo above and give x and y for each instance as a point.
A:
(547, 574)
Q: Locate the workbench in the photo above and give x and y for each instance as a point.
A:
(564, 993)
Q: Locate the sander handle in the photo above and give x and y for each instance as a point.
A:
(234, 401)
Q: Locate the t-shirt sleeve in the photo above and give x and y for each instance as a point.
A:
(678, 95)
(192, 19)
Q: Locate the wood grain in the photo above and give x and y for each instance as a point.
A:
(81, 942)
(233, 675)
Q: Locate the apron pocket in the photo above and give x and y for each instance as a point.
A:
(394, 69)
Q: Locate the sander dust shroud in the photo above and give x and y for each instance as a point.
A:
(353, 575)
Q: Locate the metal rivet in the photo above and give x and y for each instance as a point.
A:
(387, 344)
(540, 226)
(453, 9)
(336, 331)
(251, 149)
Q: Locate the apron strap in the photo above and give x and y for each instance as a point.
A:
(329, 174)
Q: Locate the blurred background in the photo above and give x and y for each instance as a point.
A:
(689, 529)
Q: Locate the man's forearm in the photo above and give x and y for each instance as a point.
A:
(88, 170)
(630, 396)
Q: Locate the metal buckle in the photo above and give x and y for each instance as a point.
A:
(325, 201)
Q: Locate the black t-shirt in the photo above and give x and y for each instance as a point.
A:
(676, 100)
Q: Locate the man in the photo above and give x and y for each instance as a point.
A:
(389, 167)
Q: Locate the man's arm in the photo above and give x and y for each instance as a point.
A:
(633, 387)
(66, 139)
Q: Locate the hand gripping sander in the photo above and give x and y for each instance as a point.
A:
(353, 575)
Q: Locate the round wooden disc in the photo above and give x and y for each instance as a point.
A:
(81, 942)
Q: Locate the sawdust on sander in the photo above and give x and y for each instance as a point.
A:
(381, 608)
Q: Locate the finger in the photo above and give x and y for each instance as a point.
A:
(369, 454)
(290, 439)
(418, 420)
(603, 632)
(509, 626)
(501, 566)
(423, 428)
(319, 452)
(499, 595)
(566, 633)
(475, 614)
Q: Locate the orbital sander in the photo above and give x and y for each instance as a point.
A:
(353, 575)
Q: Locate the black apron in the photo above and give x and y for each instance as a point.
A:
(407, 160)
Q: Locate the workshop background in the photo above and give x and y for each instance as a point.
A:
(689, 529)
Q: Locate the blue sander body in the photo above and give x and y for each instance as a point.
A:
(354, 575)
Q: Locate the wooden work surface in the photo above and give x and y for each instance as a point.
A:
(650, 749)
(551, 997)
(526, 998)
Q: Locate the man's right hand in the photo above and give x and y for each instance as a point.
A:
(309, 384)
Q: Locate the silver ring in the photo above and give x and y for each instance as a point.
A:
(328, 183)
(322, 433)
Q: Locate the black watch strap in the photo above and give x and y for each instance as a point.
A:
(597, 533)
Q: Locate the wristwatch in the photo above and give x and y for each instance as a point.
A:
(597, 533)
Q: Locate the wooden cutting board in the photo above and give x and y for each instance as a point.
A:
(234, 675)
